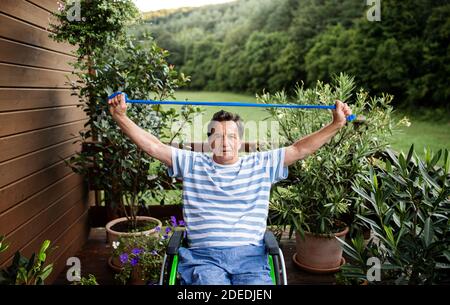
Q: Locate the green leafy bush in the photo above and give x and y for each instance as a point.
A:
(409, 200)
(27, 271)
(109, 60)
(317, 196)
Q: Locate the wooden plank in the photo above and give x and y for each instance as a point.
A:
(27, 12)
(24, 143)
(20, 31)
(25, 233)
(29, 185)
(17, 168)
(22, 121)
(19, 240)
(26, 98)
(60, 228)
(22, 212)
(22, 54)
(20, 76)
(49, 5)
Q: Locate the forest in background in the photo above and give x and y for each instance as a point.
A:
(255, 45)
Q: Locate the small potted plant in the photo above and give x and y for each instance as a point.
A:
(27, 271)
(317, 201)
(142, 256)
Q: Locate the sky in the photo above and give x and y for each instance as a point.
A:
(152, 5)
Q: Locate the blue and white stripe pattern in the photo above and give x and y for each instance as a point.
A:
(226, 205)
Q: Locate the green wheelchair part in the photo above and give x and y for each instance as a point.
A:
(174, 268)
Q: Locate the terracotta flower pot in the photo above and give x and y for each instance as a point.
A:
(319, 253)
(113, 235)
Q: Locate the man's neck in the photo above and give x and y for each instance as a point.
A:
(225, 162)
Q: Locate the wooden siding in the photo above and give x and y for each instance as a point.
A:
(40, 197)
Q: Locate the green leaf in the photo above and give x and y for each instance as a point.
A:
(369, 221)
(375, 181)
(46, 272)
(402, 161)
(388, 166)
(410, 153)
(447, 255)
(428, 232)
(446, 162)
(389, 235)
(349, 250)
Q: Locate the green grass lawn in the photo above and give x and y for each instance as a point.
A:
(423, 132)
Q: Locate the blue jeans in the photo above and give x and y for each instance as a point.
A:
(242, 265)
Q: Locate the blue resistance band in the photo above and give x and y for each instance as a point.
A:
(226, 104)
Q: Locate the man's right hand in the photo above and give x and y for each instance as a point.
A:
(117, 106)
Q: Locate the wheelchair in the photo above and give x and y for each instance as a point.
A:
(169, 267)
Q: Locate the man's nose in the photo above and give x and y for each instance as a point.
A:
(226, 142)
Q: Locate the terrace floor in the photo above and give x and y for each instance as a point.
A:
(95, 253)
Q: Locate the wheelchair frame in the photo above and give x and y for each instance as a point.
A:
(169, 267)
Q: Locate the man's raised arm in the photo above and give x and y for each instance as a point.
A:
(143, 139)
(309, 144)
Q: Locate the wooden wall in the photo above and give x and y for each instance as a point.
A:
(40, 197)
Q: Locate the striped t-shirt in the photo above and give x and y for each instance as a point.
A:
(226, 205)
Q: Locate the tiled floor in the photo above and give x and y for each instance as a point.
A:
(96, 251)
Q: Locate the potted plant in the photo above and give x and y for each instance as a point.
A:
(141, 256)
(317, 201)
(409, 199)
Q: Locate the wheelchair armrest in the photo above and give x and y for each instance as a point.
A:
(175, 242)
(271, 243)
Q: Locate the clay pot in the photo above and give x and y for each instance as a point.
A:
(319, 253)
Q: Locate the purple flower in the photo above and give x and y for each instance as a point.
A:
(137, 251)
(123, 258)
(181, 223)
(134, 261)
(173, 221)
(165, 237)
(158, 228)
(168, 229)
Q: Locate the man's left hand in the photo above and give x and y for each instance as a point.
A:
(341, 113)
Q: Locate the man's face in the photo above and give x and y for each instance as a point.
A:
(225, 141)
